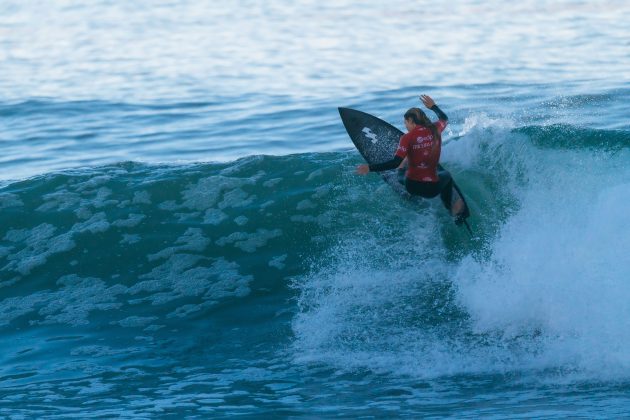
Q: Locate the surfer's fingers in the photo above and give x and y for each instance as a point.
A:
(427, 101)
(362, 169)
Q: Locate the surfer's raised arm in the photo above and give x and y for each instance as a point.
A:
(430, 103)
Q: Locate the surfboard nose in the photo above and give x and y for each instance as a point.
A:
(349, 114)
(343, 111)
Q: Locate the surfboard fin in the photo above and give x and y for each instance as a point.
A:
(461, 220)
(468, 227)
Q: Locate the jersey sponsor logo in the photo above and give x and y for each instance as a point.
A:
(368, 133)
(424, 145)
(423, 142)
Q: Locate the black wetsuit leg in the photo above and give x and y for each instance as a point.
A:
(446, 189)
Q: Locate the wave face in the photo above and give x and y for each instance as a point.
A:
(241, 287)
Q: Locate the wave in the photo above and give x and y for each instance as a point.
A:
(363, 279)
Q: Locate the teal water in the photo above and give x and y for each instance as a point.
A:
(182, 232)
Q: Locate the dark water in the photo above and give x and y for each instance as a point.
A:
(182, 232)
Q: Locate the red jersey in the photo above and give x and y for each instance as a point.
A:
(417, 145)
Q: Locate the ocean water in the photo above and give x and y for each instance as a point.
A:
(182, 234)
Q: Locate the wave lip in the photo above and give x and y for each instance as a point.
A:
(568, 137)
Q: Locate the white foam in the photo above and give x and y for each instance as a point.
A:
(141, 197)
(10, 200)
(39, 243)
(76, 298)
(487, 142)
(152, 328)
(132, 220)
(15, 307)
(266, 204)
(325, 219)
(184, 217)
(71, 304)
(272, 182)
(236, 198)
(249, 242)
(322, 191)
(5, 250)
(189, 309)
(83, 213)
(160, 277)
(30, 237)
(169, 205)
(100, 200)
(278, 262)
(207, 191)
(315, 174)
(130, 239)
(135, 321)
(192, 240)
(214, 217)
(59, 201)
(184, 275)
(11, 282)
(96, 224)
(92, 183)
(353, 308)
(566, 282)
(305, 205)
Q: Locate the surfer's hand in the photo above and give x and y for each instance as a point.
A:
(363, 169)
(427, 101)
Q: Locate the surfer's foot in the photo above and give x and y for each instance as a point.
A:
(459, 220)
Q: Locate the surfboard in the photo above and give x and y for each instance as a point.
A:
(377, 141)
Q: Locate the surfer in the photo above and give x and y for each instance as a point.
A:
(420, 149)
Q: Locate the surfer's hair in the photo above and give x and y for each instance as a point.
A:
(420, 118)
